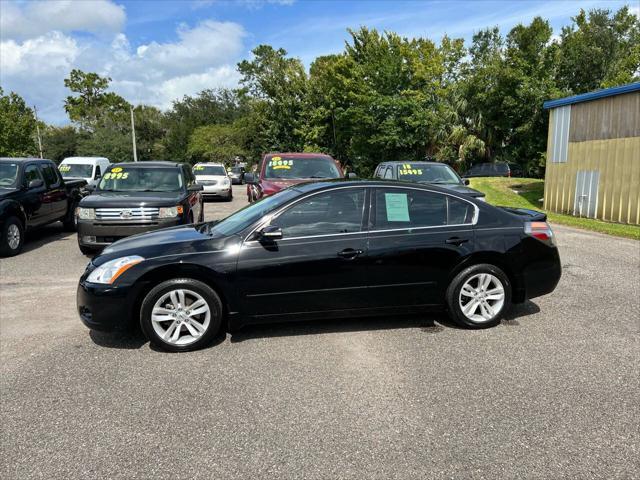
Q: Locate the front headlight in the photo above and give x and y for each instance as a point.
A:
(109, 271)
(86, 213)
(170, 212)
(225, 181)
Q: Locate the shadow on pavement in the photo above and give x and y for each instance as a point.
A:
(316, 327)
(518, 311)
(132, 340)
(48, 234)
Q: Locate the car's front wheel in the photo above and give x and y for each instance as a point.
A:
(11, 237)
(181, 314)
(479, 296)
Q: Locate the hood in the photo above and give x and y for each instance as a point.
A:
(168, 241)
(269, 187)
(461, 189)
(210, 177)
(99, 199)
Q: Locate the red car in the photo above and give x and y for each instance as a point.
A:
(281, 170)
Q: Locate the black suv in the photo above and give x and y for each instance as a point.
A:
(137, 197)
(493, 169)
(434, 173)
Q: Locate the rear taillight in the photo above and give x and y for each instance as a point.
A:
(540, 230)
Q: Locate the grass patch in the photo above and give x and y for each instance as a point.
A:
(526, 193)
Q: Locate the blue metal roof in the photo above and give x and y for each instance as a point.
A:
(586, 97)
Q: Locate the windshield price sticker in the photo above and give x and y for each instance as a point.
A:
(113, 175)
(397, 207)
(408, 170)
(278, 164)
(64, 168)
(198, 167)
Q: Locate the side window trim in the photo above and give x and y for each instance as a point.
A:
(373, 206)
(37, 170)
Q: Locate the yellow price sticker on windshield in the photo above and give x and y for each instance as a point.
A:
(64, 168)
(276, 158)
(198, 167)
(116, 176)
(116, 169)
(410, 171)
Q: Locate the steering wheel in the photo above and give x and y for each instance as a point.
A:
(5, 182)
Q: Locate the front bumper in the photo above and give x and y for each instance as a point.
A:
(106, 308)
(98, 233)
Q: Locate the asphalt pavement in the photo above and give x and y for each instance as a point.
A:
(553, 392)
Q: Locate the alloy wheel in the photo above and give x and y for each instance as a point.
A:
(180, 317)
(481, 297)
(13, 236)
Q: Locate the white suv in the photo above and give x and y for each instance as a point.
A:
(214, 179)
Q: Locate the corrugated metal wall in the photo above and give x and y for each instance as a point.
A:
(604, 138)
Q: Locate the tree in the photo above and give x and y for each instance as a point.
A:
(17, 126)
(217, 143)
(59, 143)
(599, 49)
(206, 108)
(277, 85)
(92, 104)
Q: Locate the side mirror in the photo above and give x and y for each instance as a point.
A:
(37, 183)
(271, 232)
(89, 187)
(196, 187)
(97, 176)
(351, 175)
(466, 181)
(250, 178)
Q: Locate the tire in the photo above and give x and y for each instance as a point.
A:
(489, 307)
(70, 224)
(11, 237)
(201, 212)
(229, 198)
(166, 295)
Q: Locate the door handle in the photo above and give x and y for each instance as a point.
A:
(350, 253)
(457, 241)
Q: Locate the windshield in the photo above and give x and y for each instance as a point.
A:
(209, 170)
(8, 174)
(291, 167)
(236, 169)
(81, 170)
(427, 173)
(240, 220)
(141, 179)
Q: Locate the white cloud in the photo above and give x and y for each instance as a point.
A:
(201, 57)
(33, 18)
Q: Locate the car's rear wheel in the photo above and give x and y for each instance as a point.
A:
(479, 296)
(11, 237)
(181, 314)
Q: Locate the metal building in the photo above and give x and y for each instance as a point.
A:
(593, 155)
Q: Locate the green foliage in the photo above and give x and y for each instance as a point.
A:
(59, 143)
(216, 143)
(599, 49)
(92, 105)
(17, 127)
(207, 108)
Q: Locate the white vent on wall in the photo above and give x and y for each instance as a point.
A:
(560, 119)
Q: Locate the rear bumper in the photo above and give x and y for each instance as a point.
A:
(93, 234)
(539, 278)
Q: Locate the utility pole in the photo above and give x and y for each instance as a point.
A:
(133, 136)
(35, 111)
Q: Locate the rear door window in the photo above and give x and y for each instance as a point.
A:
(407, 208)
(50, 176)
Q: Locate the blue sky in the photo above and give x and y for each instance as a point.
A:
(158, 51)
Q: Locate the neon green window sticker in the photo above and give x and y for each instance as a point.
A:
(397, 207)
(64, 168)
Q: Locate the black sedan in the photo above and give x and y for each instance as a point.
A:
(323, 250)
